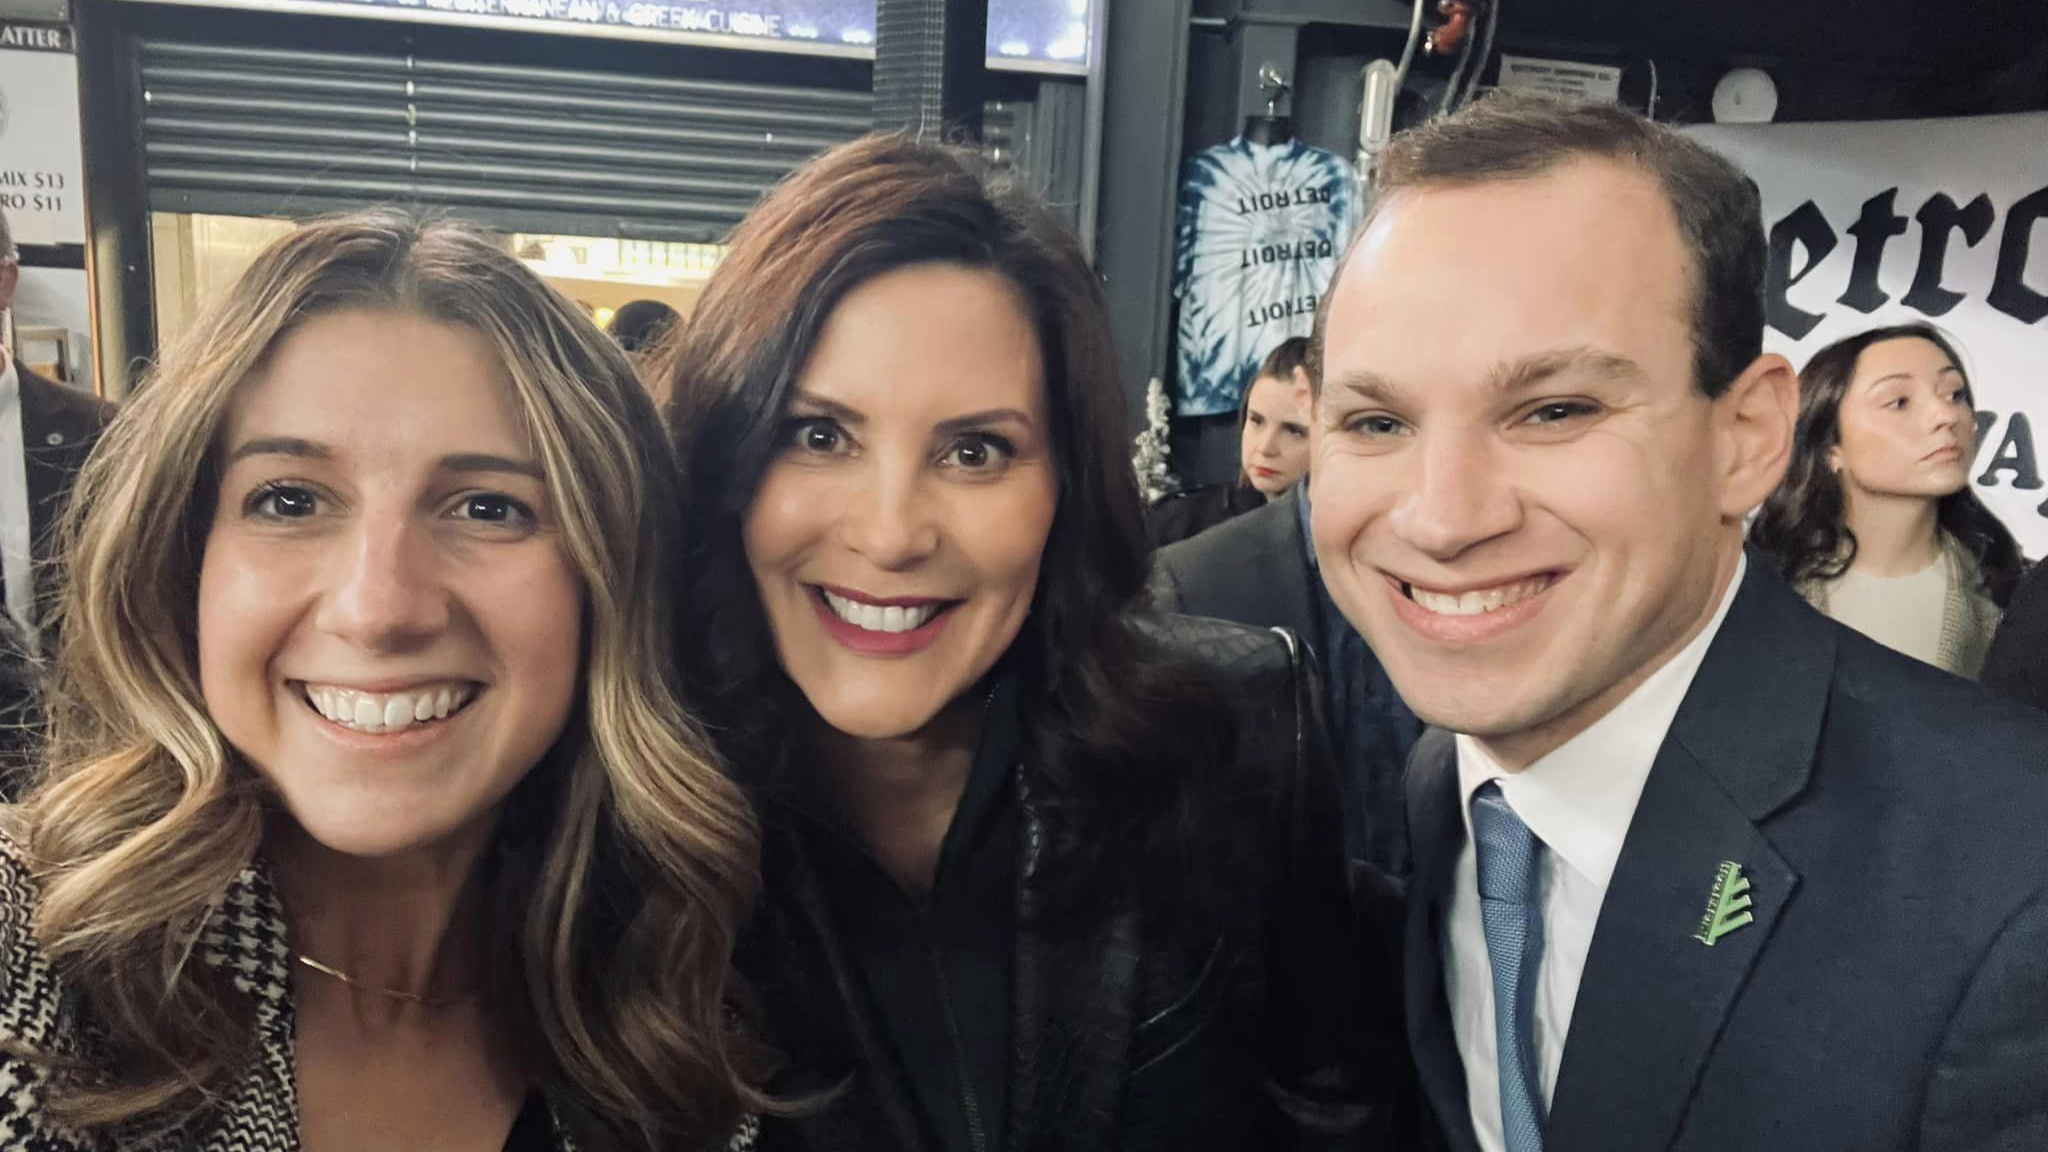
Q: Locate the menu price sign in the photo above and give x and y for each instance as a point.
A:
(41, 158)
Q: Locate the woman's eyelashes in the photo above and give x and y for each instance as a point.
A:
(496, 509)
(280, 500)
(977, 451)
(815, 435)
(980, 452)
(287, 501)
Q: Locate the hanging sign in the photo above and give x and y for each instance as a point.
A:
(1944, 221)
(1562, 79)
(41, 160)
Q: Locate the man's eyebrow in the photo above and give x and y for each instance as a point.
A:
(1533, 370)
(1511, 376)
(1369, 385)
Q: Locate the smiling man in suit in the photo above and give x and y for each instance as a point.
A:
(1696, 868)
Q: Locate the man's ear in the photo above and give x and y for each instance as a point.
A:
(10, 278)
(1753, 425)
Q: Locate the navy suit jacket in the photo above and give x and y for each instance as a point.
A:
(1892, 990)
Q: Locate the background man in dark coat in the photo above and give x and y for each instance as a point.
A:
(46, 431)
(1258, 569)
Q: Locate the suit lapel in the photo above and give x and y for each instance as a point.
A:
(1439, 835)
(1654, 994)
(1073, 991)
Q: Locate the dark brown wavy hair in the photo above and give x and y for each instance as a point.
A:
(1804, 527)
(1111, 715)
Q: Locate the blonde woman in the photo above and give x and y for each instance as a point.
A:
(371, 819)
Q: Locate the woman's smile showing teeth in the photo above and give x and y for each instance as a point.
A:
(878, 626)
(381, 712)
(898, 617)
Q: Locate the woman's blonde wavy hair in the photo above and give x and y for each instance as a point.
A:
(625, 860)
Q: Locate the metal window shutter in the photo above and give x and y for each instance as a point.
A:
(247, 130)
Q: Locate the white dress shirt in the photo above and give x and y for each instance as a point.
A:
(17, 557)
(1578, 800)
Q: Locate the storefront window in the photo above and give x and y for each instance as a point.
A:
(198, 257)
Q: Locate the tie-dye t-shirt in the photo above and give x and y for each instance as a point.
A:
(1261, 228)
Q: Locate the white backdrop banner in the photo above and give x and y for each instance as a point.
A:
(1944, 221)
(42, 187)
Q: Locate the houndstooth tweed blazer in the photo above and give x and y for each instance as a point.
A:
(245, 937)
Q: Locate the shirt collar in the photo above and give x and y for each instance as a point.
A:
(10, 378)
(1580, 798)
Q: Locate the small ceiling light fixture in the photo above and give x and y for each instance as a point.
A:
(1745, 96)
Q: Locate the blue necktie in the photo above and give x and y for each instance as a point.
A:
(1512, 915)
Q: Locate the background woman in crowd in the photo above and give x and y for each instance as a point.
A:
(1272, 451)
(1032, 878)
(371, 819)
(1876, 523)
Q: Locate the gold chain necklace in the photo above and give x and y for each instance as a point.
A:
(395, 994)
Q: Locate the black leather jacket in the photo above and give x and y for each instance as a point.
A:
(1269, 1028)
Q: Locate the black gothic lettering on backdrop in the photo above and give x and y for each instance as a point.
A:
(2015, 455)
(1938, 217)
(1985, 420)
(2009, 291)
(1806, 227)
(1806, 235)
(1872, 230)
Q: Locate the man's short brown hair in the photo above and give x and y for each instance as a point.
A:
(1720, 216)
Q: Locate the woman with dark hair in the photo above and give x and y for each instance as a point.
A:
(1037, 874)
(1272, 433)
(1875, 523)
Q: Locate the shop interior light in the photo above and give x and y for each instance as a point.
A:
(651, 262)
(1071, 46)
